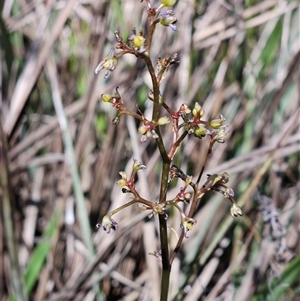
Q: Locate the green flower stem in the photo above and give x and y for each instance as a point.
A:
(177, 248)
(156, 105)
(166, 265)
(198, 194)
(209, 151)
(175, 145)
(130, 113)
(141, 200)
(164, 235)
(155, 113)
(168, 109)
(162, 149)
(194, 204)
(113, 212)
(179, 209)
(151, 32)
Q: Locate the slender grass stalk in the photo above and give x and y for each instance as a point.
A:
(70, 156)
(7, 216)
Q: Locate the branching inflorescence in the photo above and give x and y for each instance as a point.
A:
(185, 121)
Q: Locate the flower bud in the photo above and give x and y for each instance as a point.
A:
(108, 224)
(109, 64)
(198, 111)
(142, 129)
(163, 120)
(217, 123)
(185, 109)
(138, 165)
(228, 192)
(187, 224)
(167, 19)
(235, 211)
(122, 183)
(159, 209)
(200, 132)
(225, 178)
(168, 3)
(138, 41)
(222, 134)
(106, 97)
(187, 197)
(123, 175)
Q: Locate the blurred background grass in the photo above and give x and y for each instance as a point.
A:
(62, 157)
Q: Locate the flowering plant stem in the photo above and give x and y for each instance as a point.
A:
(166, 266)
(184, 121)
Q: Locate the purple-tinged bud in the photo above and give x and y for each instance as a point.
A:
(167, 19)
(108, 224)
(118, 38)
(109, 64)
(228, 192)
(137, 41)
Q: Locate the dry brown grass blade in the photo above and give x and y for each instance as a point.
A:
(205, 32)
(33, 68)
(91, 97)
(222, 31)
